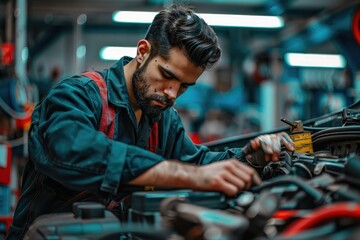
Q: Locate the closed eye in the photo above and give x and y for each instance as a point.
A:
(167, 76)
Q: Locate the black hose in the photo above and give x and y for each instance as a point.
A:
(354, 133)
(282, 180)
(340, 137)
(337, 129)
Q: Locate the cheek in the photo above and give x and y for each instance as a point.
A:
(156, 84)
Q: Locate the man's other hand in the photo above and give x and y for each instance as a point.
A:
(265, 148)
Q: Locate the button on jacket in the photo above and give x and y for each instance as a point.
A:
(67, 153)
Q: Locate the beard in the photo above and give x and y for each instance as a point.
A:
(140, 89)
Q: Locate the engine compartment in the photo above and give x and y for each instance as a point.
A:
(305, 195)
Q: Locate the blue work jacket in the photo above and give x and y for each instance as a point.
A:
(68, 154)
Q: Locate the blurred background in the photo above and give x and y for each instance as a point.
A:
(293, 59)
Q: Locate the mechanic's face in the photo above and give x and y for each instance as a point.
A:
(158, 82)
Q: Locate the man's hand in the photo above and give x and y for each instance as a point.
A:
(265, 148)
(228, 176)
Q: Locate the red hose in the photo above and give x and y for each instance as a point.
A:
(285, 214)
(323, 214)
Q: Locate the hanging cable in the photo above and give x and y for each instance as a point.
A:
(13, 113)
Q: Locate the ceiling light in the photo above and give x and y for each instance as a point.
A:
(133, 16)
(115, 53)
(225, 20)
(242, 20)
(315, 60)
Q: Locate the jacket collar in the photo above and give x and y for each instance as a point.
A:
(115, 80)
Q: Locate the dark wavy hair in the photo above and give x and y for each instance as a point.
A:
(179, 26)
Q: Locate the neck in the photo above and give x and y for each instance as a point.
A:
(129, 70)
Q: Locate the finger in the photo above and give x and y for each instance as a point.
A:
(239, 183)
(253, 175)
(287, 141)
(276, 144)
(266, 144)
(288, 145)
(267, 157)
(241, 167)
(251, 147)
(285, 136)
(241, 171)
(256, 179)
(275, 157)
(227, 188)
(255, 144)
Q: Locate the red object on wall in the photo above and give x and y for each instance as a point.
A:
(356, 26)
(7, 220)
(25, 122)
(8, 53)
(5, 163)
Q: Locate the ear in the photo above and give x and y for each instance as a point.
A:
(143, 50)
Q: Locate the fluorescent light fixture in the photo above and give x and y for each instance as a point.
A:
(115, 53)
(133, 16)
(225, 20)
(315, 60)
(253, 21)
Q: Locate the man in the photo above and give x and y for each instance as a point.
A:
(71, 160)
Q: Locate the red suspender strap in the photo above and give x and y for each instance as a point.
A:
(153, 138)
(108, 113)
(107, 122)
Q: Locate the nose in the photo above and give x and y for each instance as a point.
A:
(172, 89)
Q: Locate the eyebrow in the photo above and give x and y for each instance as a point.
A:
(172, 74)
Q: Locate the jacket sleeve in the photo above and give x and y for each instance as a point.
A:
(65, 145)
(184, 149)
